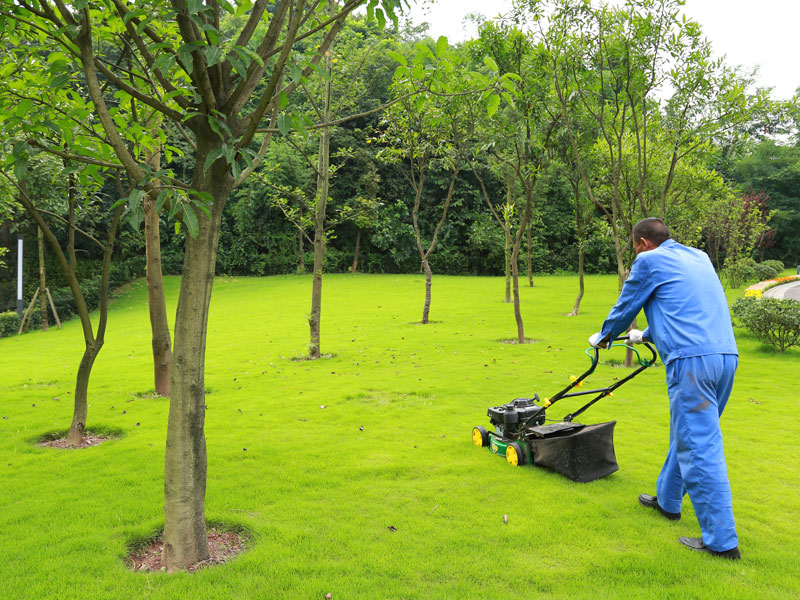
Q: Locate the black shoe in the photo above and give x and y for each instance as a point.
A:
(652, 502)
(697, 544)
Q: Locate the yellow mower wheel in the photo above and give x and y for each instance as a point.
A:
(514, 455)
(480, 437)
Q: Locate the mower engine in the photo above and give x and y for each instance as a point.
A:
(511, 419)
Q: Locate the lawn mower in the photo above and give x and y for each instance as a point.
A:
(580, 452)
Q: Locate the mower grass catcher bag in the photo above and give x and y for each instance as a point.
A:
(583, 455)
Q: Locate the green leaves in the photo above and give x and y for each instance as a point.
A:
(492, 104)
(396, 56)
(213, 156)
(442, 46)
(190, 220)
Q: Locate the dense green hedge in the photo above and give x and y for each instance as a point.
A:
(9, 323)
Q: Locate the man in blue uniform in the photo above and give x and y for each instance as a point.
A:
(689, 322)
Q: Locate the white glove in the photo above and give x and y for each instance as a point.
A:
(635, 336)
(596, 340)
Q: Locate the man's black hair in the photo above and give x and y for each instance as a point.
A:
(653, 229)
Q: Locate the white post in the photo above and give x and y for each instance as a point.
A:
(19, 276)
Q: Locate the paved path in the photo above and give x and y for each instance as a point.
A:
(787, 290)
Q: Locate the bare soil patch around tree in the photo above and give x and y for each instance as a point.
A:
(222, 547)
(86, 442)
(94, 437)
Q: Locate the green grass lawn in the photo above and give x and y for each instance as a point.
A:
(288, 458)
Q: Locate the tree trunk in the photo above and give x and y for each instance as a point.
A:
(185, 537)
(301, 251)
(159, 324)
(316, 295)
(424, 254)
(507, 229)
(530, 257)
(42, 278)
(323, 182)
(515, 260)
(581, 257)
(426, 309)
(517, 309)
(67, 262)
(80, 410)
(354, 267)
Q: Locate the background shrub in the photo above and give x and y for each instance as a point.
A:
(771, 320)
(764, 271)
(775, 264)
(9, 323)
(739, 271)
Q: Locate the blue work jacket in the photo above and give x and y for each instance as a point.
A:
(682, 297)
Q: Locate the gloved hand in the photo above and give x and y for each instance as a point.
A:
(635, 336)
(596, 341)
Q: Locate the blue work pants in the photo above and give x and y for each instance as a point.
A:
(699, 388)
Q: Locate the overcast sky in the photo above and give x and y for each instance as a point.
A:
(749, 32)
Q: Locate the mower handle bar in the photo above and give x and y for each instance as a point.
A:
(602, 392)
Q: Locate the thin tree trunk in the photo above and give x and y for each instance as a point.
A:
(581, 254)
(425, 254)
(323, 183)
(159, 324)
(93, 343)
(42, 277)
(316, 294)
(515, 260)
(581, 231)
(316, 300)
(301, 251)
(67, 261)
(426, 309)
(517, 309)
(507, 230)
(354, 267)
(530, 257)
(80, 410)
